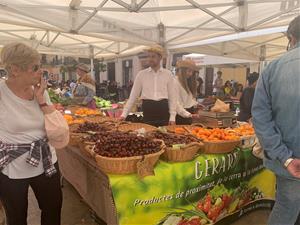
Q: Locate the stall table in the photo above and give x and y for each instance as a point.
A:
(176, 189)
(90, 182)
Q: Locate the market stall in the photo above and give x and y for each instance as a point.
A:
(182, 181)
(177, 189)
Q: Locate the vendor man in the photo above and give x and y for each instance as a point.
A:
(155, 86)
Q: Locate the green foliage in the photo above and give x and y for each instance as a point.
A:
(102, 103)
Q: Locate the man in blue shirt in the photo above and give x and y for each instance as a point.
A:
(276, 118)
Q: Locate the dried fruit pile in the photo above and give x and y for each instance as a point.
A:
(173, 139)
(244, 130)
(215, 134)
(86, 112)
(71, 120)
(88, 126)
(120, 144)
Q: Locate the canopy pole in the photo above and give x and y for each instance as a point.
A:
(92, 61)
(243, 14)
(262, 58)
(169, 60)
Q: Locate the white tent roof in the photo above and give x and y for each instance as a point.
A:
(109, 28)
(202, 60)
(258, 45)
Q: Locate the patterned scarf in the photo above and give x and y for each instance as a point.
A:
(10, 152)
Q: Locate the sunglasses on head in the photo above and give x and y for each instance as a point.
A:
(35, 68)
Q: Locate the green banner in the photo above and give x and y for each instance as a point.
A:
(210, 189)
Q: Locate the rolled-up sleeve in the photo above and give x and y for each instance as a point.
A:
(135, 93)
(265, 126)
(57, 129)
(172, 97)
(180, 110)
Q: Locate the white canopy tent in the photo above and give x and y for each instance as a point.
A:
(208, 60)
(112, 28)
(258, 45)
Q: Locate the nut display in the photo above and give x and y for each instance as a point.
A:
(118, 144)
(171, 139)
(215, 135)
(88, 126)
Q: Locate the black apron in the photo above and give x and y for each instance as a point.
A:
(185, 121)
(156, 113)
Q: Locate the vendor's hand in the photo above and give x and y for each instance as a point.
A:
(172, 123)
(39, 90)
(294, 168)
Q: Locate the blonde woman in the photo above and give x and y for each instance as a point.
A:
(186, 85)
(31, 130)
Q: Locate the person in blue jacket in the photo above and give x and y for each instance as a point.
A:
(276, 112)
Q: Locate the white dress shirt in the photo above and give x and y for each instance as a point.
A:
(185, 100)
(156, 86)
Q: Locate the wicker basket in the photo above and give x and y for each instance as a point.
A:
(126, 165)
(127, 126)
(187, 128)
(75, 139)
(247, 141)
(73, 128)
(186, 153)
(87, 151)
(211, 147)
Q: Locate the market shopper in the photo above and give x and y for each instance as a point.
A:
(239, 91)
(275, 111)
(30, 131)
(227, 89)
(218, 85)
(247, 98)
(155, 86)
(85, 88)
(186, 89)
(199, 85)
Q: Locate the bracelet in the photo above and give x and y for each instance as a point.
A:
(43, 105)
(287, 162)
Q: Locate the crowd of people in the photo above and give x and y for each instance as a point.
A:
(229, 89)
(109, 90)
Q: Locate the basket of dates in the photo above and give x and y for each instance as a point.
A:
(180, 148)
(119, 152)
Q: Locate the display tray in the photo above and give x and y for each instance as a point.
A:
(211, 122)
(216, 114)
